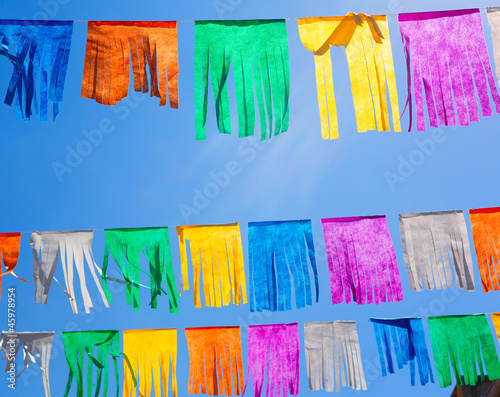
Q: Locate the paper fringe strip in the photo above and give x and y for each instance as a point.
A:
(496, 323)
(217, 252)
(461, 339)
(361, 260)
(112, 46)
(279, 251)
(74, 246)
(273, 350)
(36, 348)
(10, 243)
(328, 345)
(446, 51)
(150, 350)
(494, 22)
(369, 56)
(215, 358)
(258, 50)
(34, 46)
(408, 343)
(125, 246)
(431, 241)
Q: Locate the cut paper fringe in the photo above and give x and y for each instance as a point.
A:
(408, 344)
(216, 252)
(333, 356)
(112, 46)
(496, 323)
(147, 350)
(371, 69)
(461, 340)
(361, 260)
(446, 53)
(36, 47)
(36, 348)
(10, 243)
(258, 50)
(215, 358)
(273, 350)
(431, 241)
(74, 246)
(494, 22)
(125, 246)
(279, 251)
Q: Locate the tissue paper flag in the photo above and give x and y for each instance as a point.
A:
(273, 350)
(36, 348)
(461, 340)
(278, 251)
(259, 52)
(95, 346)
(9, 253)
(146, 350)
(216, 352)
(431, 241)
(496, 323)
(327, 347)
(361, 260)
(217, 253)
(112, 46)
(32, 46)
(74, 245)
(494, 22)
(125, 246)
(446, 52)
(408, 341)
(369, 57)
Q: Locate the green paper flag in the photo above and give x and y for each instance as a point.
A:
(461, 340)
(258, 50)
(125, 246)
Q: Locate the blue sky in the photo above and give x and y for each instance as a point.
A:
(149, 167)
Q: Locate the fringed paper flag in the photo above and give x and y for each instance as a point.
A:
(125, 246)
(36, 348)
(273, 350)
(408, 345)
(431, 241)
(147, 350)
(216, 253)
(74, 245)
(460, 340)
(91, 349)
(258, 50)
(278, 252)
(361, 260)
(371, 69)
(10, 243)
(496, 323)
(446, 53)
(112, 46)
(214, 360)
(35, 47)
(328, 346)
(494, 22)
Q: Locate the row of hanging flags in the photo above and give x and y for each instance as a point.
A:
(446, 56)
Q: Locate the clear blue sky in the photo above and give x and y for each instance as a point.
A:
(150, 165)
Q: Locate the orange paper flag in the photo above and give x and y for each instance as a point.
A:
(9, 249)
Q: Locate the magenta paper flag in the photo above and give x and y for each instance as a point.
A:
(446, 53)
(361, 260)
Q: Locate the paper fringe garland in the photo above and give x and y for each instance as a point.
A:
(10, 243)
(408, 343)
(35, 346)
(446, 51)
(494, 22)
(279, 251)
(32, 46)
(273, 350)
(496, 323)
(112, 46)
(125, 246)
(217, 252)
(369, 56)
(361, 260)
(328, 345)
(146, 350)
(74, 246)
(215, 357)
(430, 242)
(461, 339)
(258, 50)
